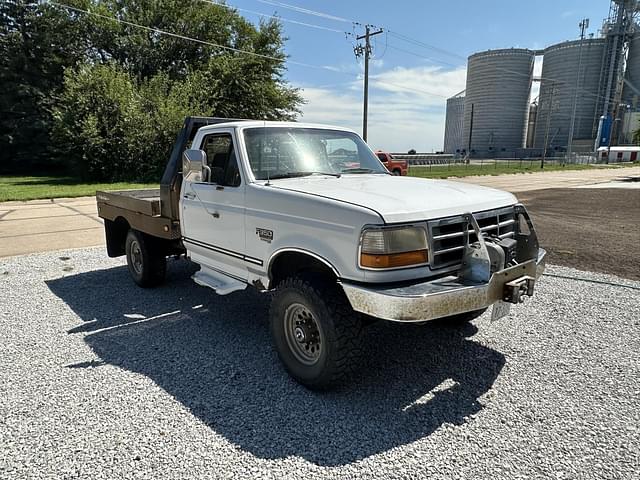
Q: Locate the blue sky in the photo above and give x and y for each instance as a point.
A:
(409, 81)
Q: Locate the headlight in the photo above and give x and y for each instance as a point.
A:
(393, 247)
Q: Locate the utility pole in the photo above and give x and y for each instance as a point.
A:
(546, 131)
(584, 24)
(366, 51)
(470, 137)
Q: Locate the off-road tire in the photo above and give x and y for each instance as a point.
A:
(147, 266)
(339, 326)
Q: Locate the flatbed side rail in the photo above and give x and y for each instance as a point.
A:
(146, 202)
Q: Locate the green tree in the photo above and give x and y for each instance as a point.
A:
(37, 43)
(115, 128)
(106, 97)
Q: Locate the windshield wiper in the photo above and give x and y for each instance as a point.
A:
(301, 174)
(360, 170)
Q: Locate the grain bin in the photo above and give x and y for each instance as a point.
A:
(498, 87)
(453, 138)
(560, 81)
(631, 96)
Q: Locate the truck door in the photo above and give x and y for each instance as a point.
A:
(213, 210)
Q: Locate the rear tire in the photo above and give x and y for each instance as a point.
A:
(315, 331)
(397, 172)
(146, 265)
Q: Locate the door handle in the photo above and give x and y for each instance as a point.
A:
(189, 196)
(215, 215)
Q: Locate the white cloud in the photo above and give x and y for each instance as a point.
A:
(406, 106)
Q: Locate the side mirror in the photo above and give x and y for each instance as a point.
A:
(194, 166)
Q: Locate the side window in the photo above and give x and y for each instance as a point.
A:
(222, 160)
(382, 157)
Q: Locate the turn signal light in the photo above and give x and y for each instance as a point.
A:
(416, 257)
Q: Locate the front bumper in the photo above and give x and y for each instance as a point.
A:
(474, 288)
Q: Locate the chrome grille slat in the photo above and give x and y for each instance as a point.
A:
(440, 252)
(483, 229)
(446, 235)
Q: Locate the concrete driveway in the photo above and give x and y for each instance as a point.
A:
(43, 225)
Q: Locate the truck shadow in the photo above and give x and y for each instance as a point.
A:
(214, 355)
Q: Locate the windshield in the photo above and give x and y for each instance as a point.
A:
(276, 152)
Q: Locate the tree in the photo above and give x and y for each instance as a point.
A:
(37, 43)
(106, 97)
(114, 128)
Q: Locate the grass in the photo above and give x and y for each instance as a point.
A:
(32, 188)
(499, 168)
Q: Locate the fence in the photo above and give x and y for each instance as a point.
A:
(451, 160)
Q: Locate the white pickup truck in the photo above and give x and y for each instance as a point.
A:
(309, 213)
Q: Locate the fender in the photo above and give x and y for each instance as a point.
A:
(280, 251)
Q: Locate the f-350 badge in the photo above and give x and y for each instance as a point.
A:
(264, 234)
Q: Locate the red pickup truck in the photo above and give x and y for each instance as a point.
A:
(397, 167)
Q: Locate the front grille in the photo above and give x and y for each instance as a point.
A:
(447, 234)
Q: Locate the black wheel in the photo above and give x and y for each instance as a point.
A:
(315, 331)
(396, 172)
(461, 319)
(146, 266)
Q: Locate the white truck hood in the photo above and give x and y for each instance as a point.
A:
(401, 199)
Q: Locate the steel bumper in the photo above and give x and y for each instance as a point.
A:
(445, 296)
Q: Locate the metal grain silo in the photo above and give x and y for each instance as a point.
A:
(560, 82)
(498, 87)
(453, 138)
(631, 93)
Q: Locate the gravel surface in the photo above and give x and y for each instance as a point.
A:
(100, 379)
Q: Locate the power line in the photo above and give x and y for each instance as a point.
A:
(394, 47)
(401, 36)
(307, 11)
(191, 39)
(276, 17)
(236, 50)
(420, 43)
(409, 39)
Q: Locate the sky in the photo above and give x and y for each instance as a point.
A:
(417, 62)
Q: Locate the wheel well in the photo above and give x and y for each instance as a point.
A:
(116, 234)
(288, 264)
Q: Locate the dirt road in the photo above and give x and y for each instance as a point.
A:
(543, 180)
(593, 229)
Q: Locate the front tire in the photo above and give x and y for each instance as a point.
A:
(397, 172)
(146, 265)
(315, 331)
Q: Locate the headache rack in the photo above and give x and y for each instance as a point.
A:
(447, 236)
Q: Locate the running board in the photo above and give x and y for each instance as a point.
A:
(221, 283)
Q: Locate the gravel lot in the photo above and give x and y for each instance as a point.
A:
(100, 379)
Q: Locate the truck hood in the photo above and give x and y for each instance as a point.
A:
(401, 199)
